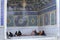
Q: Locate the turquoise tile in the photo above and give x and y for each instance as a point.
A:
(46, 19)
(33, 20)
(41, 20)
(10, 20)
(20, 21)
(52, 19)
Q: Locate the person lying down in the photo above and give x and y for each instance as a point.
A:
(33, 33)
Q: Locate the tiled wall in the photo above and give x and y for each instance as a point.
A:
(33, 19)
(19, 20)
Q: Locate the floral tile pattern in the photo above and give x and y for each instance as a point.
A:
(32, 20)
(46, 19)
(20, 21)
(41, 20)
(52, 18)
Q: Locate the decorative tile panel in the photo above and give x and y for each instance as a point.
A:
(32, 20)
(47, 19)
(52, 18)
(41, 20)
(10, 20)
(20, 20)
(55, 17)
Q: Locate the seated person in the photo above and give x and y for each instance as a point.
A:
(42, 32)
(11, 35)
(16, 33)
(19, 33)
(34, 32)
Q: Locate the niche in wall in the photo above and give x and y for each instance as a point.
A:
(53, 17)
(48, 18)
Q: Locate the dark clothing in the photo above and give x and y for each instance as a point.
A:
(43, 33)
(11, 35)
(36, 33)
(15, 33)
(19, 33)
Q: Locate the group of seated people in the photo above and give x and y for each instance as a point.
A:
(38, 33)
(33, 33)
(10, 34)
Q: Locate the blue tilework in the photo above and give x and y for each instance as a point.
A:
(20, 21)
(10, 21)
(32, 20)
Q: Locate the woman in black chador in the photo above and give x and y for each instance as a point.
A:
(19, 33)
(16, 33)
(11, 35)
(43, 33)
(34, 33)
